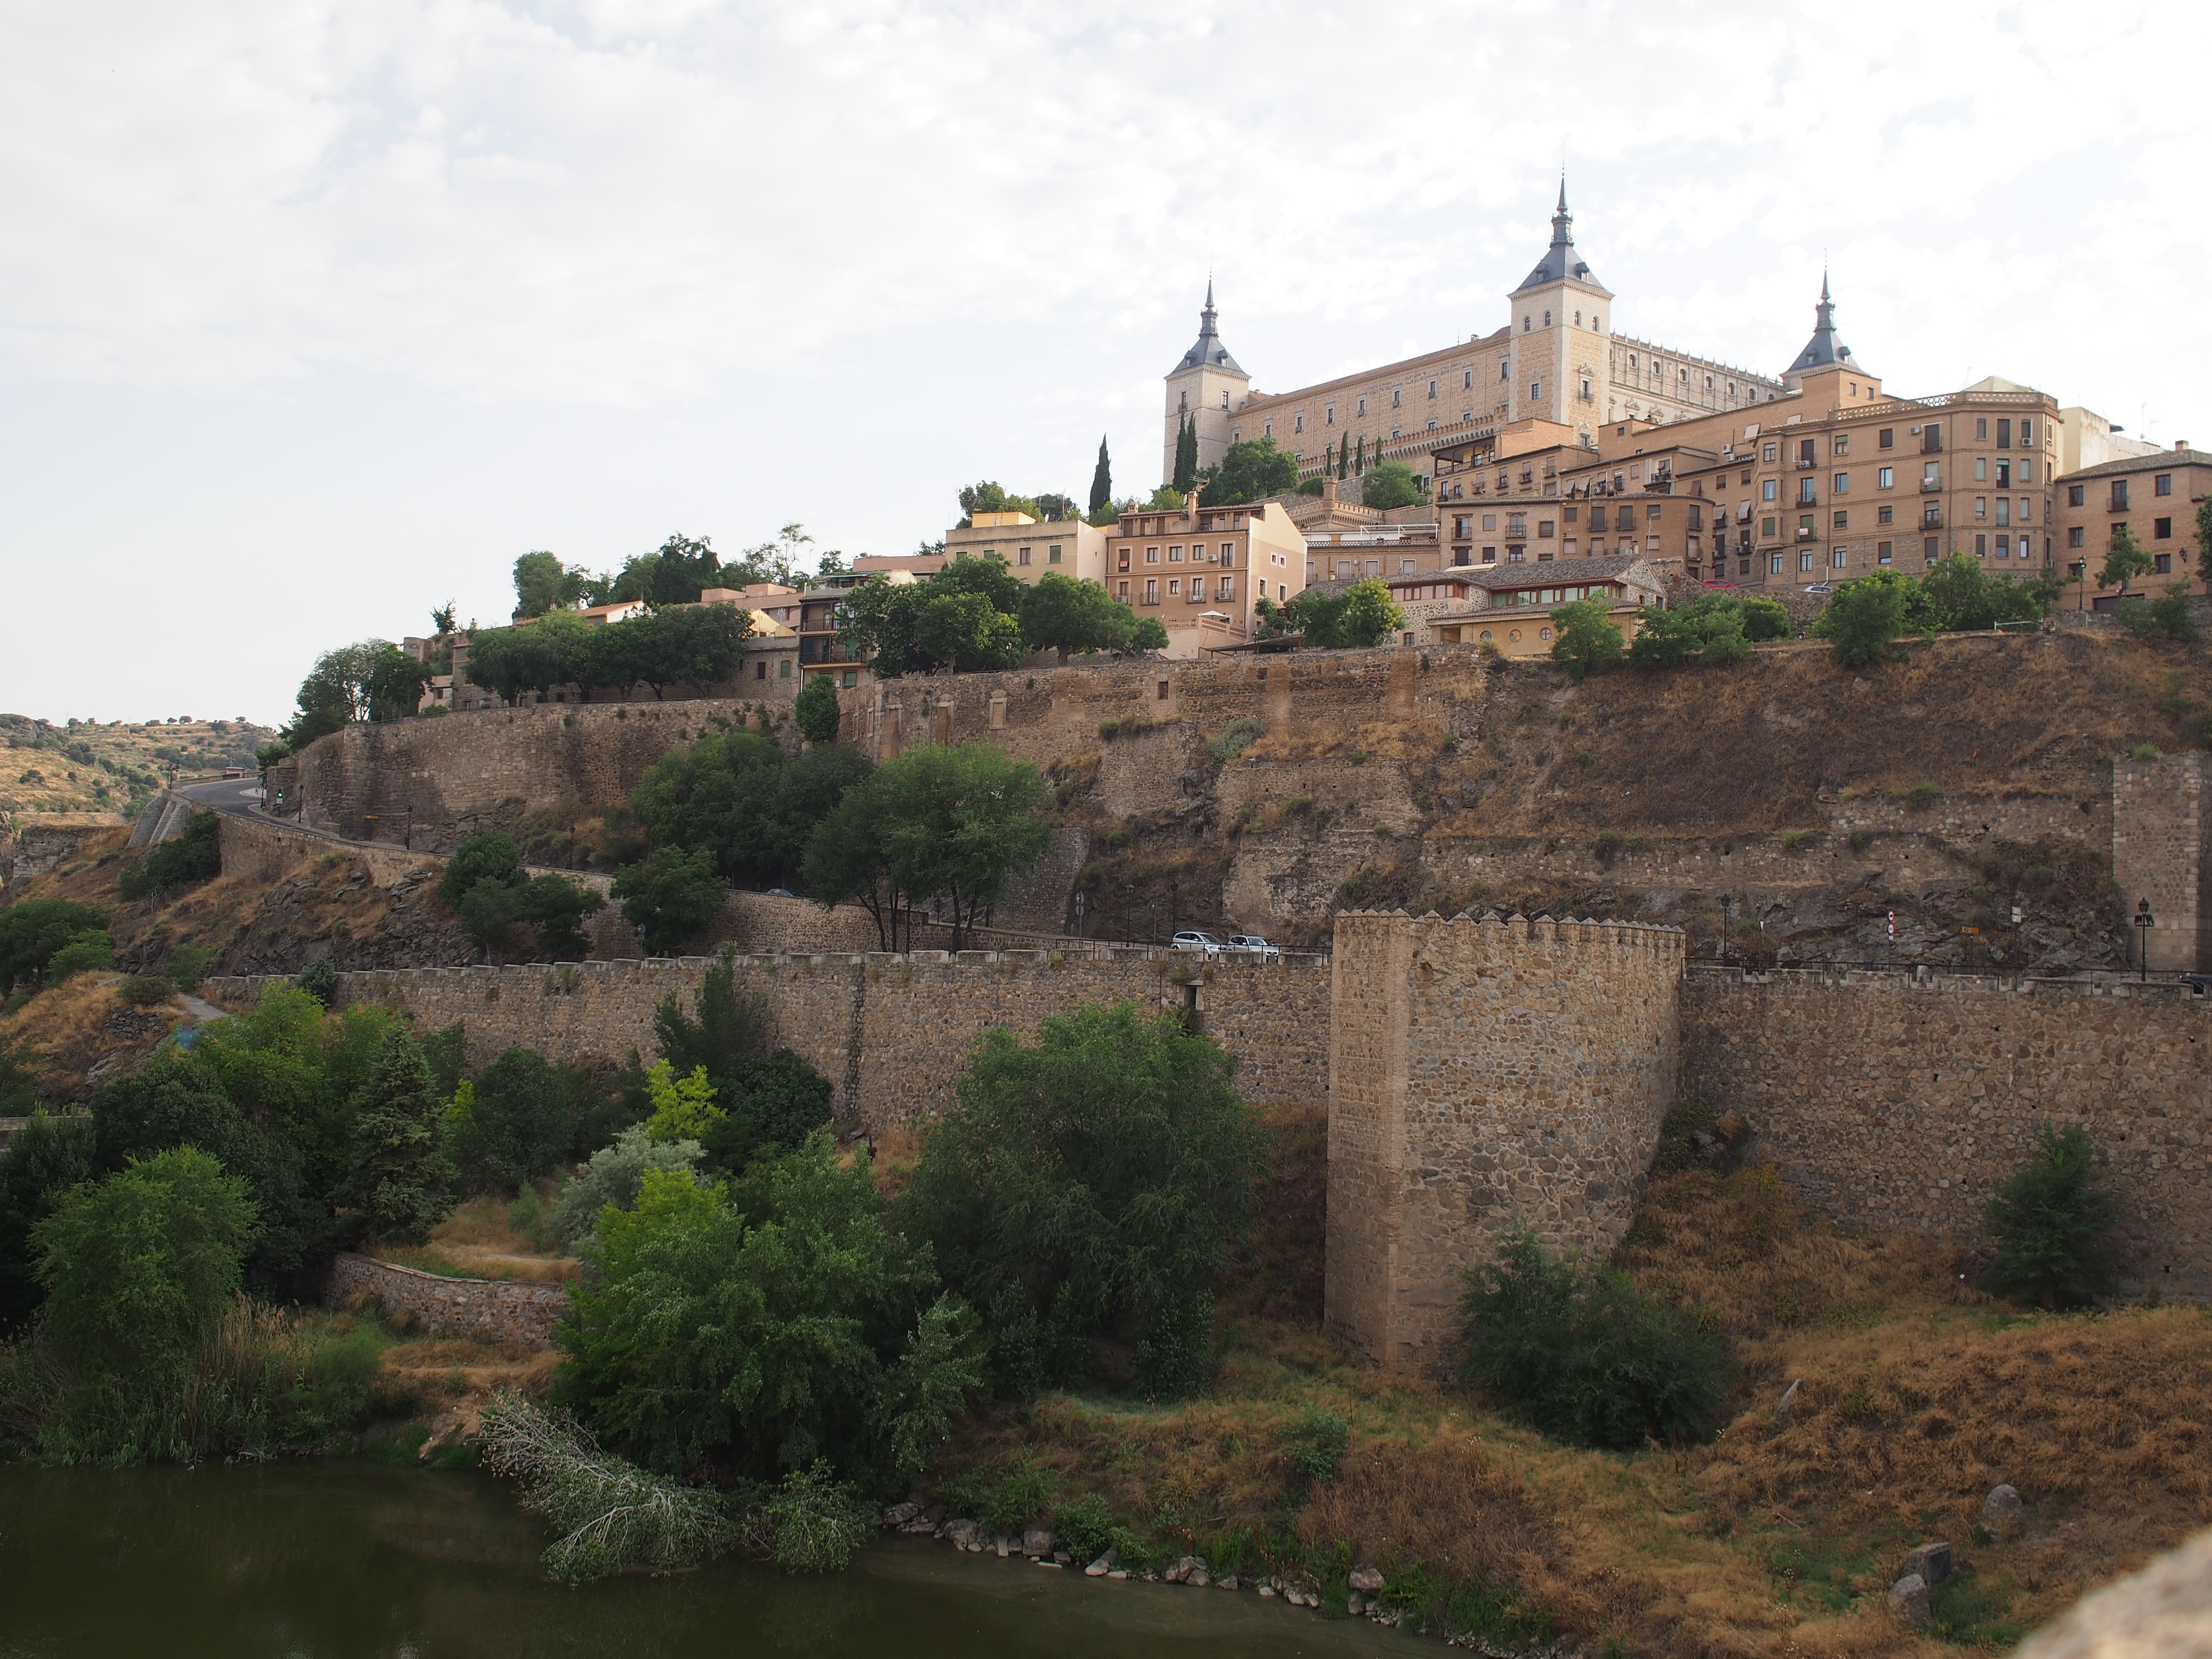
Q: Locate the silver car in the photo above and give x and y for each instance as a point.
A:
(1193, 939)
(1253, 945)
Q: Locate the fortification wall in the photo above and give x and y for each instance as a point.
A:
(889, 1031)
(1899, 1102)
(1483, 1074)
(2162, 855)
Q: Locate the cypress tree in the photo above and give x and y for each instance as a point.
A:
(1359, 461)
(1102, 480)
(1186, 457)
(400, 1183)
(1344, 455)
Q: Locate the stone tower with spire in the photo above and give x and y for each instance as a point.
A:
(1208, 384)
(1825, 368)
(1557, 365)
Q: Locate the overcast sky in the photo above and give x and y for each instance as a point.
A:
(314, 315)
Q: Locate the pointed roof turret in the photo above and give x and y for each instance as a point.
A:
(1561, 262)
(1208, 352)
(1823, 346)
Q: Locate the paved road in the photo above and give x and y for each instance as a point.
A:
(240, 795)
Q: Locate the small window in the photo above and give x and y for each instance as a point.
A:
(1394, 399)
(1535, 391)
(2076, 537)
(1884, 515)
(1843, 443)
(1886, 438)
(2162, 484)
(1052, 556)
(1981, 428)
(1162, 692)
(2161, 564)
(1843, 483)
(1768, 453)
(1022, 555)
(760, 669)
(1841, 557)
(2077, 495)
(852, 678)
(1467, 385)
(2119, 495)
(2161, 530)
(2004, 434)
(1881, 552)
(1432, 388)
(1842, 521)
(1885, 476)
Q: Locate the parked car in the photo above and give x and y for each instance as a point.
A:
(1193, 939)
(781, 892)
(1253, 944)
(1821, 588)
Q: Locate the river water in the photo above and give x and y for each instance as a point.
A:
(342, 1560)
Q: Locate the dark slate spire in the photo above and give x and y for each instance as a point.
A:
(1560, 261)
(1823, 346)
(1209, 349)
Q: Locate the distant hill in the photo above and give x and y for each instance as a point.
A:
(85, 768)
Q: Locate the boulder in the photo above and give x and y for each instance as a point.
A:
(1366, 1580)
(899, 1514)
(2165, 1610)
(1933, 1562)
(966, 1534)
(1355, 1604)
(1037, 1540)
(1101, 1567)
(1908, 1599)
(2004, 1515)
(1200, 1577)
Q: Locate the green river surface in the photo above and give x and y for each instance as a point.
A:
(346, 1561)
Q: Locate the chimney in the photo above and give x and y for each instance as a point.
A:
(2181, 445)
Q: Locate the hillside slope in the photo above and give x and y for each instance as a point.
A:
(85, 768)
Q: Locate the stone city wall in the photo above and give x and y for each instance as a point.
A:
(1484, 1074)
(501, 1311)
(890, 1032)
(2162, 854)
(1901, 1102)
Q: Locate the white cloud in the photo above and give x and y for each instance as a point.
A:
(639, 264)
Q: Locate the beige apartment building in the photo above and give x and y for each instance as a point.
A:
(1512, 608)
(2156, 495)
(1030, 547)
(1202, 570)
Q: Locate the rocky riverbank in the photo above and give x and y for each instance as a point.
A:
(1037, 1547)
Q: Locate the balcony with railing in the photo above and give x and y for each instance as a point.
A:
(1931, 517)
(1929, 486)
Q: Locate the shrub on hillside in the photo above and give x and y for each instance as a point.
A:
(517, 1118)
(401, 1184)
(320, 980)
(1863, 618)
(33, 931)
(1587, 640)
(46, 1157)
(766, 1103)
(195, 855)
(1091, 1181)
(613, 1176)
(1711, 631)
(2052, 1228)
(1581, 1354)
(87, 952)
(670, 897)
(816, 710)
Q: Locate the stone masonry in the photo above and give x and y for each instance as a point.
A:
(519, 1314)
(2161, 851)
(1484, 1074)
(889, 1031)
(1898, 1102)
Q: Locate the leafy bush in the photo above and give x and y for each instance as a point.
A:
(612, 1177)
(670, 897)
(1387, 484)
(2051, 1227)
(1581, 1354)
(816, 710)
(2164, 618)
(1094, 1177)
(144, 990)
(1236, 738)
(1587, 640)
(138, 1267)
(1923, 795)
(1017, 1496)
(487, 857)
(1084, 1528)
(189, 965)
(813, 1521)
(517, 1120)
(1316, 1443)
(764, 1324)
(46, 1157)
(770, 1104)
(195, 855)
(1702, 634)
(1863, 617)
(87, 952)
(32, 931)
(401, 1184)
(320, 980)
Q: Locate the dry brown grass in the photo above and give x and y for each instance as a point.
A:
(448, 1369)
(81, 1023)
(1415, 741)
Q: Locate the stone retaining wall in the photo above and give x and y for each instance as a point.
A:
(501, 1311)
(1899, 1102)
(889, 1031)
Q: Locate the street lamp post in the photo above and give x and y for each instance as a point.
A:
(1078, 915)
(2144, 922)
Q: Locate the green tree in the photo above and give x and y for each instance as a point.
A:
(1102, 488)
(1344, 456)
(2167, 618)
(401, 1181)
(1360, 457)
(489, 856)
(1585, 639)
(1582, 1355)
(699, 646)
(336, 691)
(670, 897)
(1361, 617)
(1390, 484)
(966, 630)
(2052, 1227)
(1703, 634)
(1067, 616)
(1165, 499)
(195, 855)
(541, 585)
(957, 821)
(1249, 471)
(1095, 1177)
(988, 497)
(32, 930)
(557, 907)
(137, 1268)
(816, 710)
(1862, 621)
(441, 619)
(716, 795)
(395, 683)
(1763, 619)
(1185, 475)
(517, 1120)
(682, 567)
(2126, 561)
(508, 661)
(2204, 533)
(847, 857)
(1960, 592)
(46, 1157)
(766, 1324)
